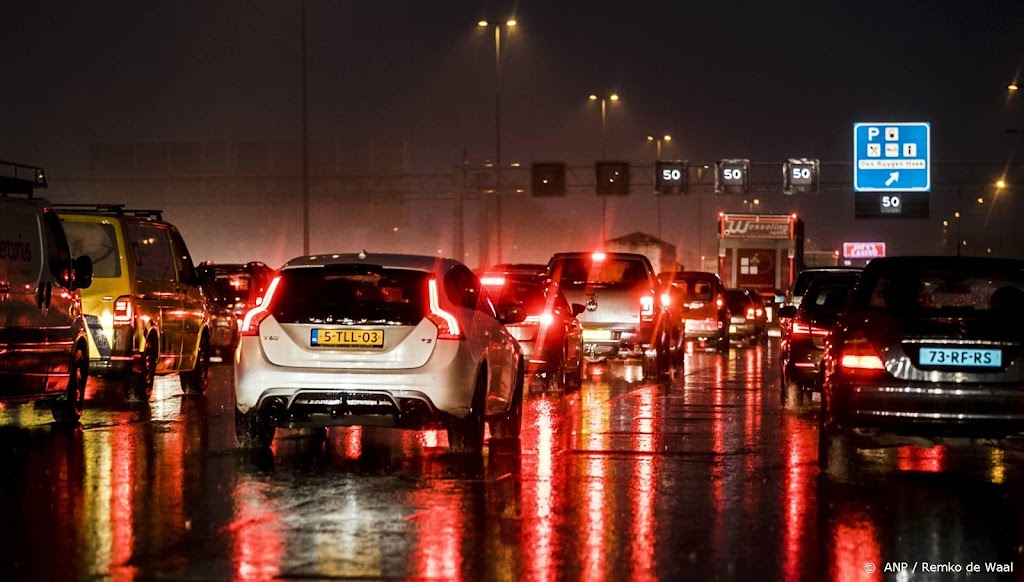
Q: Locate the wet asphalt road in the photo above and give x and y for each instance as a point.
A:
(707, 478)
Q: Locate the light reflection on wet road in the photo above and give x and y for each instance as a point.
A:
(707, 478)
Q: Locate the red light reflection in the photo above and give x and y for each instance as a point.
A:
(928, 460)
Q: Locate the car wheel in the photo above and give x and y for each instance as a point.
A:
(195, 380)
(139, 385)
(509, 425)
(253, 431)
(466, 435)
(836, 454)
(68, 408)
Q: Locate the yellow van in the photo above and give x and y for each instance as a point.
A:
(145, 310)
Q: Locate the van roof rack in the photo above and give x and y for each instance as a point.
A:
(20, 179)
(109, 210)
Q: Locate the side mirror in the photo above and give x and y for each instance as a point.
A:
(82, 273)
(578, 308)
(512, 314)
(787, 311)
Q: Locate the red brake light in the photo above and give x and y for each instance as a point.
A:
(750, 313)
(759, 312)
(544, 319)
(251, 323)
(124, 311)
(666, 300)
(718, 302)
(447, 325)
(647, 305)
(857, 354)
(492, 281)
(800, 328)
(598, 257)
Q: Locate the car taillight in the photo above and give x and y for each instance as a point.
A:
(447, 325)
(718, 302)
(492, 281)
(759, 312)
(251, 323)
(544, 319)
(800, 328)
(647, 307)
(666, 300)
(857, 354)
(124, 311)
(750, 313)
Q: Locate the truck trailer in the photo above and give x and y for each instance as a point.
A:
(760, 252)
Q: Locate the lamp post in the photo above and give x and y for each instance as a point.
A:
(604, 99)
(657, 158)
(510, 23)
(305, 135)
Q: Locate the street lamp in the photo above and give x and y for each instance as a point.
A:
(604, 154)
(657, 142)
(604, 118)
(510, 23)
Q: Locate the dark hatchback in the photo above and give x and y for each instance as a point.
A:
(930, 350)
(803, 338)
(551, 337)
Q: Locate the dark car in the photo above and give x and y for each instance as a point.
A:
(803, 339)
(698, 299)
(235, 286)
(796, 292)
(747, 321)
(930, 348)
(551, 337)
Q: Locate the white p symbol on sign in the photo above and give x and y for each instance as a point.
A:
(872, 133)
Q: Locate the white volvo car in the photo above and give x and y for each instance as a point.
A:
(378, 340)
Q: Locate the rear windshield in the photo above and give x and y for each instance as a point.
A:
(696, 289)
(939, 291)
(575, 273)
(227, 288)
(98, 242)
(351, 294)
(737, 300)
(826, 298)
(533, 296)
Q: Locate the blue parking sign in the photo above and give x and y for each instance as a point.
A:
(892, 157)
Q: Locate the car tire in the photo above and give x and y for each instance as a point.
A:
(139, 385)
(194, 381)
(67, 409)
(253, 432)
(509, 425)
(466, 435)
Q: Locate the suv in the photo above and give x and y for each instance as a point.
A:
(623, 316)
(698, 298)
(402, 341)
(44, 350)
(145, 310)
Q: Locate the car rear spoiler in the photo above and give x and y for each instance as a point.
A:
(20, 179)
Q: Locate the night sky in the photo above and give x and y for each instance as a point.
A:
(758, 80)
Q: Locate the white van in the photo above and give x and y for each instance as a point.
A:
(43, 346)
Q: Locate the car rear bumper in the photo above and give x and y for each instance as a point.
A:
(417, 397)
(928, 409)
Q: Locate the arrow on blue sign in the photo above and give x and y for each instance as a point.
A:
(892, 157)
